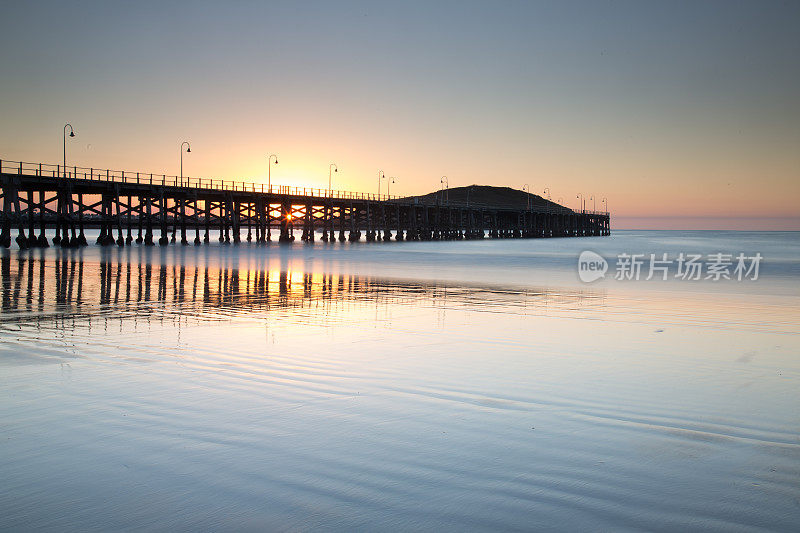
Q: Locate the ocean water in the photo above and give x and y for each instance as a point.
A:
(476, 385)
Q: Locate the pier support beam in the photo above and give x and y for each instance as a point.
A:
(162, 210)
(286, 223)
(42, 240)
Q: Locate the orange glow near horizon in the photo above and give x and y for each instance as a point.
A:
(660, 202)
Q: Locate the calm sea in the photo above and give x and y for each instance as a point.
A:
(453, 386)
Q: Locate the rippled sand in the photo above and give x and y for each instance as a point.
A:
(140, 392)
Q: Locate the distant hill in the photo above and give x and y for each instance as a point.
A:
(486, 196)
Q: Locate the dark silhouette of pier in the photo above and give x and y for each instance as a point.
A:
(134, 207)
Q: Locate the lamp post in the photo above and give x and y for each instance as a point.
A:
(445, 185)
(388, 183)
(605, 204)
(188, 149)
(594, 203)
(527, 188)
(71, 134)
(381, 176)
(582, 205)
(547, 192)
(335, 169)
(269, 171)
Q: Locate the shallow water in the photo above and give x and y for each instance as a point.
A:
(412, 386)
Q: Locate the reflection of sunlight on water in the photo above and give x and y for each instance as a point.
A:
(41, 289)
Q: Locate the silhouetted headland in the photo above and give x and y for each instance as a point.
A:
(490, 197)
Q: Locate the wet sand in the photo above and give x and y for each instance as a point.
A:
(266, 389)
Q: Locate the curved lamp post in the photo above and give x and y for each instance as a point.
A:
(71, 134)
(335, 169)
(269, 171)
(388, 183)
(188, 149)
(547, 192)
(605, 204)
(583, 201)
(445, 184)
(381, 176)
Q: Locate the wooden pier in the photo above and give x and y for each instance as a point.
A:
(134, 207)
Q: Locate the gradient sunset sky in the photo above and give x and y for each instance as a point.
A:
(681, 114)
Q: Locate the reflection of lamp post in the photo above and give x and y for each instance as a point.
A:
(335, 169)
(188, 149)
(381, 176)
(269, 171)
(445, 185)
(527, 188)
(71, 134)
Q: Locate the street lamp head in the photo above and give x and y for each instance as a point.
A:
(188, 149)
(71, 133)
(276, 160)
(336, 169)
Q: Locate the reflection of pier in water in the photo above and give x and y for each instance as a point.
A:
(38, 287)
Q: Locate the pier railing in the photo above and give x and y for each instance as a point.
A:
(46, 170)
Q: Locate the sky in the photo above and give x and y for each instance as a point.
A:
(679, 114)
